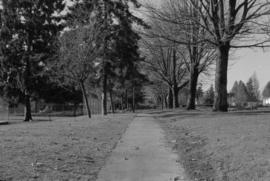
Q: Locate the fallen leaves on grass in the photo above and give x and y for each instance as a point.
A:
(221, 147)
(59, 150)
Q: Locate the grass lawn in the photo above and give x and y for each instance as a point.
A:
(62, 149)
(220, 146)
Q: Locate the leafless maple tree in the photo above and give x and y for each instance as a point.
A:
(165, 63)
(198, 56)
(79, 53)
(226, 24)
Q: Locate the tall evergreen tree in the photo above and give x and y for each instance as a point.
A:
(28, 32)
(253, 88)
(120, 47)
(240, 93)
(250, 89)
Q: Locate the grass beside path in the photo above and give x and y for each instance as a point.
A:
(220, 146)
(63, 149)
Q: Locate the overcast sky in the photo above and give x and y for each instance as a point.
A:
(244, 62)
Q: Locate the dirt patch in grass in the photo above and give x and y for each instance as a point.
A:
(220, 147)
(63, 149)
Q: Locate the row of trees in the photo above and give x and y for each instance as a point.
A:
(92, 45)
(199, 33)
(81, 48)
(242, 93)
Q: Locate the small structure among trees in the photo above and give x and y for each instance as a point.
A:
(266, 95)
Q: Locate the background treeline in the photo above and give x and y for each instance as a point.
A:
(191, 39)
(85, 49)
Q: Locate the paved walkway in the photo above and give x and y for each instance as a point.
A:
(142, 155)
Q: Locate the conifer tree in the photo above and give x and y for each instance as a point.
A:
(28, 32)
(240, 94)
(253, 88)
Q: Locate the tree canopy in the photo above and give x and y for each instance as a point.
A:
(28, 33)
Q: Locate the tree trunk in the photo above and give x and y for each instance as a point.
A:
(194, 74)
(221, 102)
(176, 91)
(27, 112)
(122, 102)
(165, 101)
(104, 93)
(175, 87)
(170, 98)
(26, 76)
(112, 103)
(162, 102)
(105, 75)
(133, 99)
(173, 97)
(85, 99)
(126, 99)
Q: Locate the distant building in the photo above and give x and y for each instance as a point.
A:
(266, 101)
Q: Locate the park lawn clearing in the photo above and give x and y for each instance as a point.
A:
(62, 149)
(220, 146)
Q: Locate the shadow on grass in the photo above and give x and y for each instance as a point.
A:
(20, 121)
(2, 123)
(52, 115)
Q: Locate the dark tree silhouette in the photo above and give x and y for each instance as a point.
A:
(28, 32)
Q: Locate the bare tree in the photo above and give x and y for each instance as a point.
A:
(78, 57)
(225, 23)
(159, 93)
(166, 65)
(198, 56)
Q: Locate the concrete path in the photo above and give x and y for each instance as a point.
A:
(142, 155)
